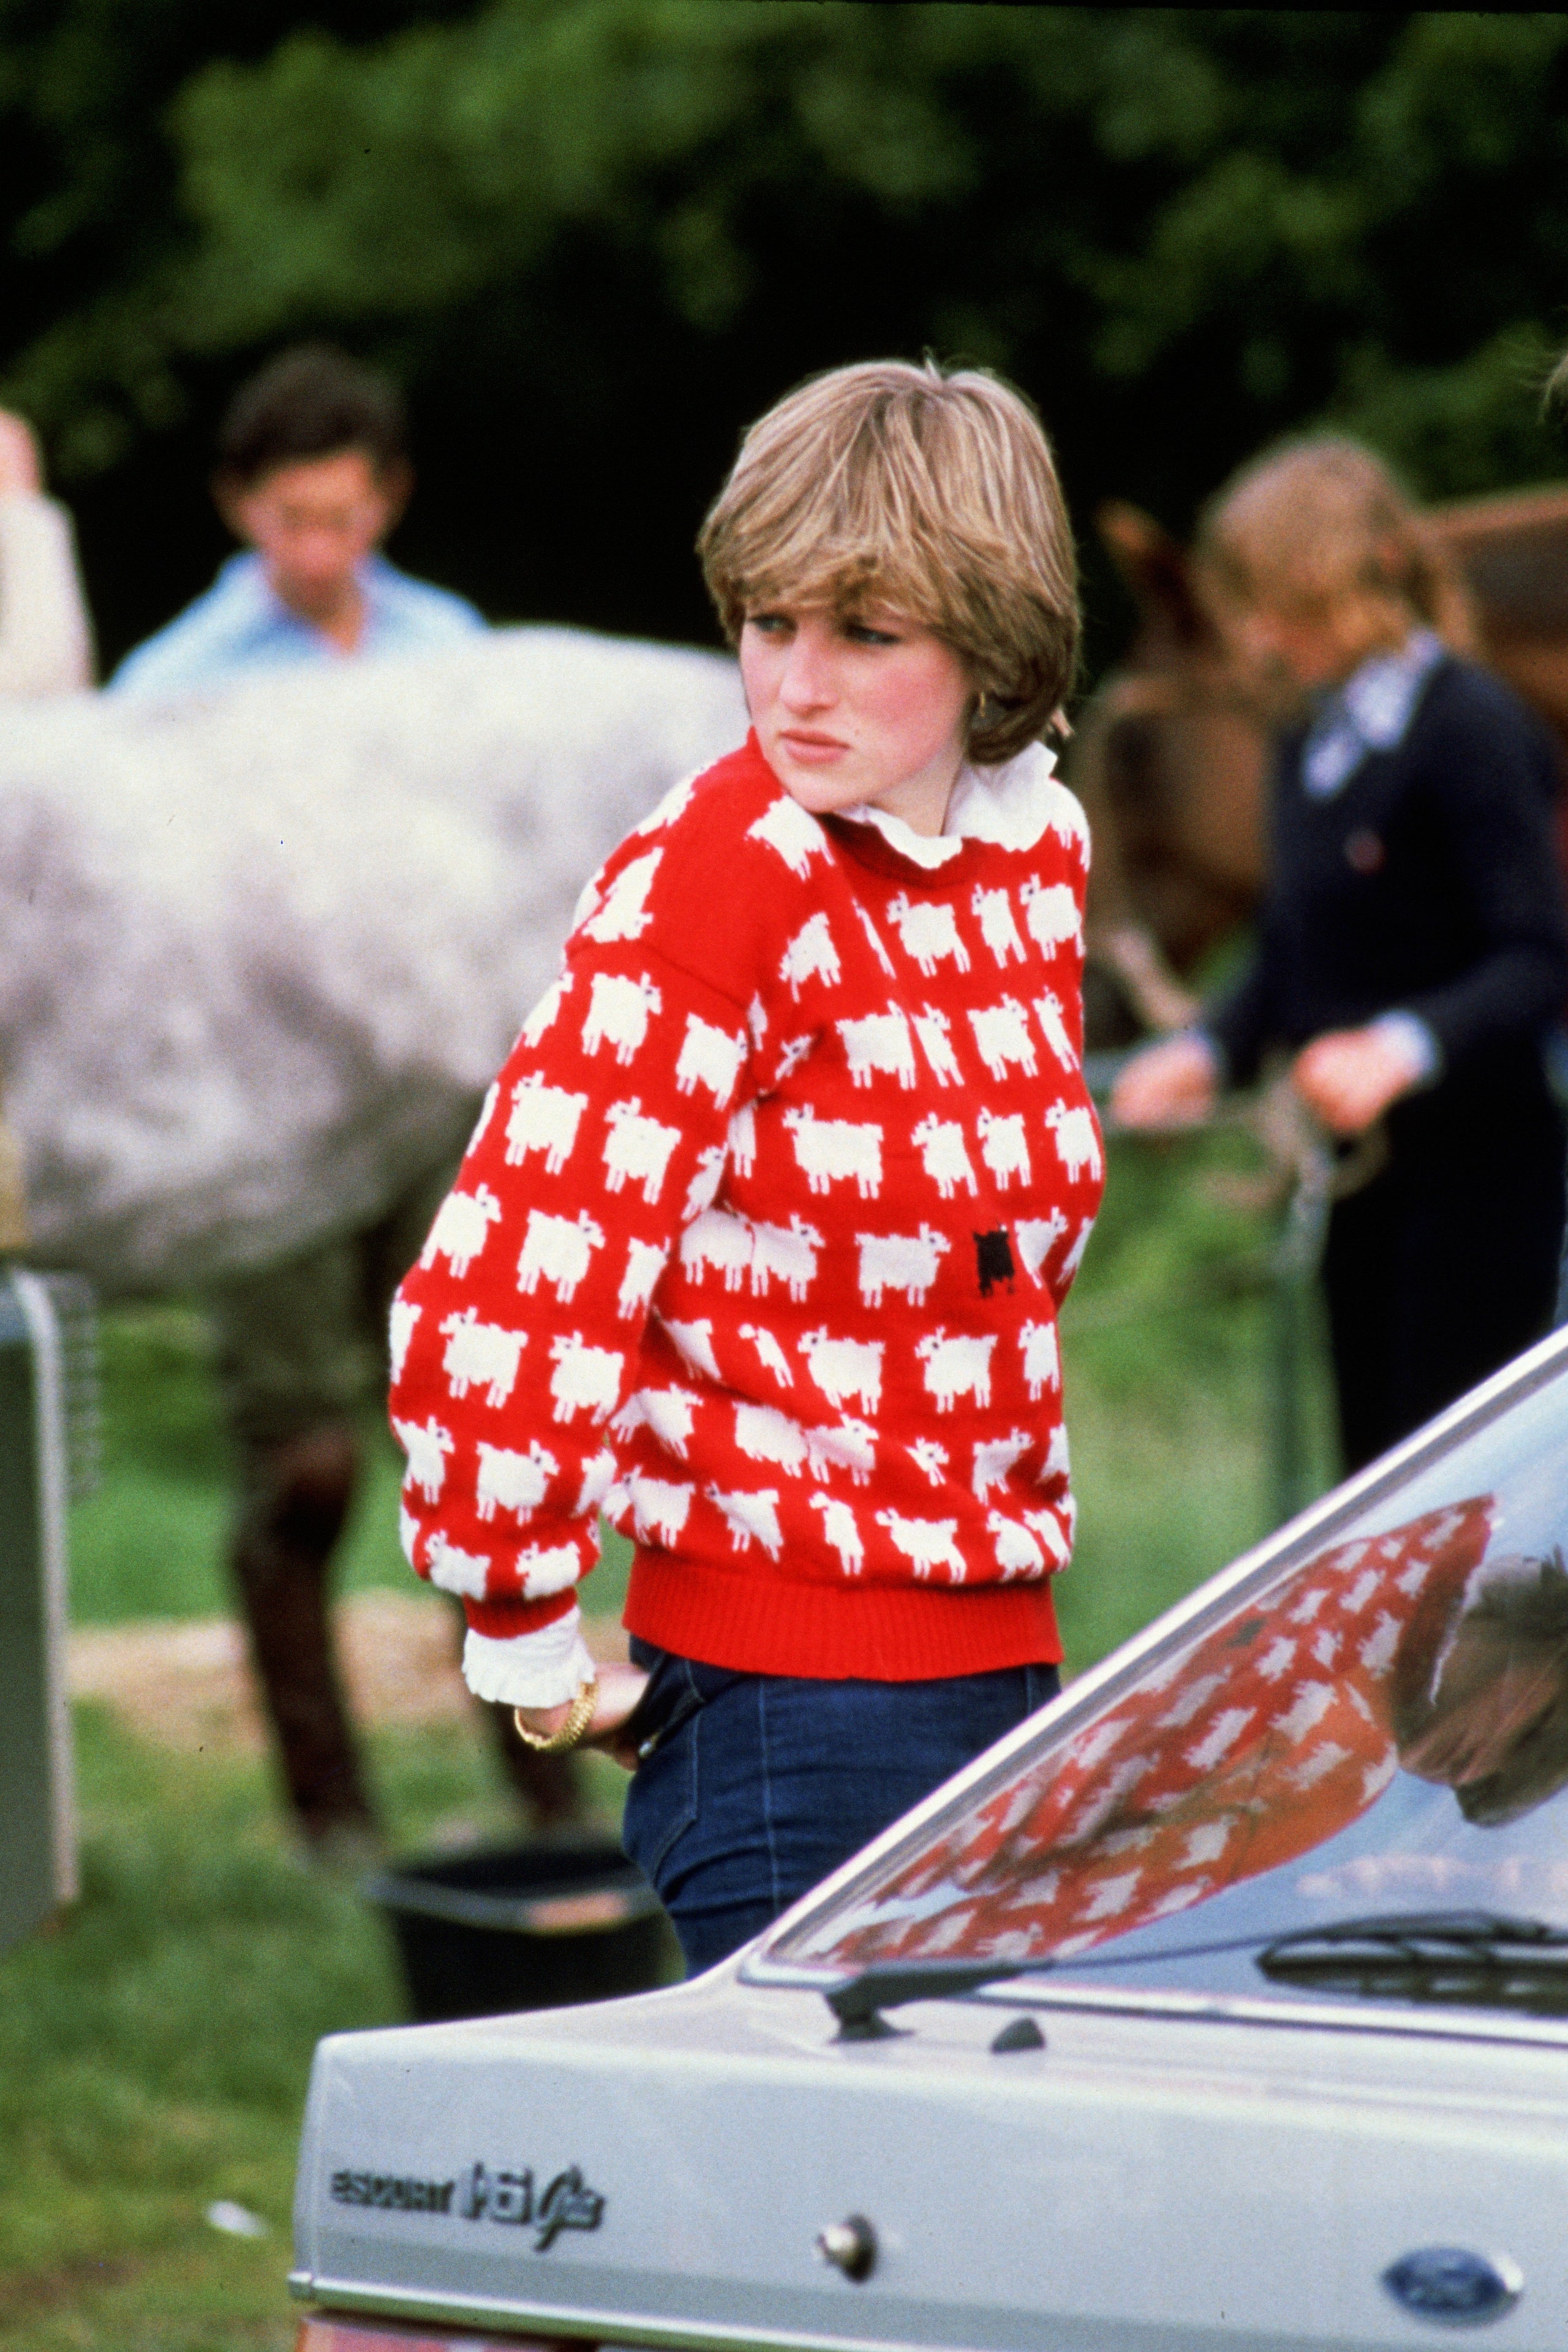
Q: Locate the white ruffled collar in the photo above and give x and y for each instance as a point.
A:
(1011, 805)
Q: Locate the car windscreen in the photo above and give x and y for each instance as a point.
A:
(1366, 1717)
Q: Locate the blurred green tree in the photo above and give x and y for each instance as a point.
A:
(596, 236)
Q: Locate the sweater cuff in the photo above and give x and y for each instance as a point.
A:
(544, 1669)
(1416, 1041)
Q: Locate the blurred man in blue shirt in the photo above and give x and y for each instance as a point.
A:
(313, 473)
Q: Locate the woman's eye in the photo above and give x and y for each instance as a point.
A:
(862, 633)
(768, 624)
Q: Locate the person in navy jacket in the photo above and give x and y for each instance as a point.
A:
(1412, 948)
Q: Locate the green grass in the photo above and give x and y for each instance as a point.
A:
(155, 2046)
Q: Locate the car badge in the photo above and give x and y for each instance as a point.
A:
(1453, 2286)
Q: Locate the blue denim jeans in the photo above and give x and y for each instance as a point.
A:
(757, 1785)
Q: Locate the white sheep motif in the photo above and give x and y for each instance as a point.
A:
(719, 1241)
(926, 1544)
(461, 1229)
(928, 932)
(836, 1151)
(880, 1043)
(934, 1030)
(618, 1012)
(1042, 1359)
(786, 1254)
(810, 955)
(1077, 1139)
(753, 1518)
(1051, 913)
(557, 1250)
(706, 1179)
(456, 1570)
(598, 1478)
(1036, 1237)
(670, 1413)
(846, 1444)
(846, 1368)
(763, 1434)
(1017, 1553)
(638, 1150)
(993, 909)
(543, 1016)
(1003, 1146)
(740, 1144)
(995, 1458)
(509, 1481)
(839, 1530)
(770, 1355)
(1002, 1034)
(426, 1444)
(644, 1263)
(791, 833)
(1054, 1028)
(477, 1351)
(586, 1379)
(399, 1332)
(695, 1342)
(944, 1155)
(660, 1507)
(930, 1459)
(1047, 1526)
(875, 937)
(543, 1118)
(710, 1057)
(547, 1570)
(623, 914)
(906, 1262)
(957, 1367)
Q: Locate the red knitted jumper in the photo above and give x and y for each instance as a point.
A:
(759, 1245)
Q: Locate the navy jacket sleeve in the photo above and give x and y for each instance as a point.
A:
(1429, 884)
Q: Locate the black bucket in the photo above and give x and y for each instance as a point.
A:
(533, 1927)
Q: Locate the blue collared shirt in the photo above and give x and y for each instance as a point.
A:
(240, 627)
(1371, 711)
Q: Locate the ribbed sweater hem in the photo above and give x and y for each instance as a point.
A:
(763, 1624)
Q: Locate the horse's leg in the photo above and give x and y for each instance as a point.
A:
(292, 1366)
(295, 1495)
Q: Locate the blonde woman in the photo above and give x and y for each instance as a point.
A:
(760, 1245)
(1411, 951)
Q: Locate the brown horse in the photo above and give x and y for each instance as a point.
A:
(1170, 760)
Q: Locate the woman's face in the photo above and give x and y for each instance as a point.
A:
(870, 709)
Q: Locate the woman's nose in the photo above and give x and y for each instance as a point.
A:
(805, 683)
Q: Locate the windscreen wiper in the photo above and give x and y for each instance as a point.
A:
(1484, 1958)
(859, 2001)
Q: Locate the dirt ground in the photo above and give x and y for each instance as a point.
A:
(188, 1684)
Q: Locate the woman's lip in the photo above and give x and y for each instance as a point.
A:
(812, 747)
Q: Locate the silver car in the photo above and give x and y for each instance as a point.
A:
(1223, 2004)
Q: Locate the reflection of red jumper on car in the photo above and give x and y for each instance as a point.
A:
(1254, 1747)
(777, 1196)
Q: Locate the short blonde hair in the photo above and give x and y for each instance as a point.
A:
(930, 490)
(1320, 527)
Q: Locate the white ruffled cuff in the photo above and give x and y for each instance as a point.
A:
(544, 1669)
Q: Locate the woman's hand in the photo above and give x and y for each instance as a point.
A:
(1170, 1084)
(21, 473)
(1350, 1076)
(620, 1687)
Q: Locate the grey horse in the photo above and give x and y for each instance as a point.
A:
(260, 954)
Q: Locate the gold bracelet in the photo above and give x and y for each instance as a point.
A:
(579, 1717)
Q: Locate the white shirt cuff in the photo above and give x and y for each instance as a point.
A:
(1410, 1034)
(544, 1669)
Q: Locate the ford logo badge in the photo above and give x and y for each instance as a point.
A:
(1453, 2286)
